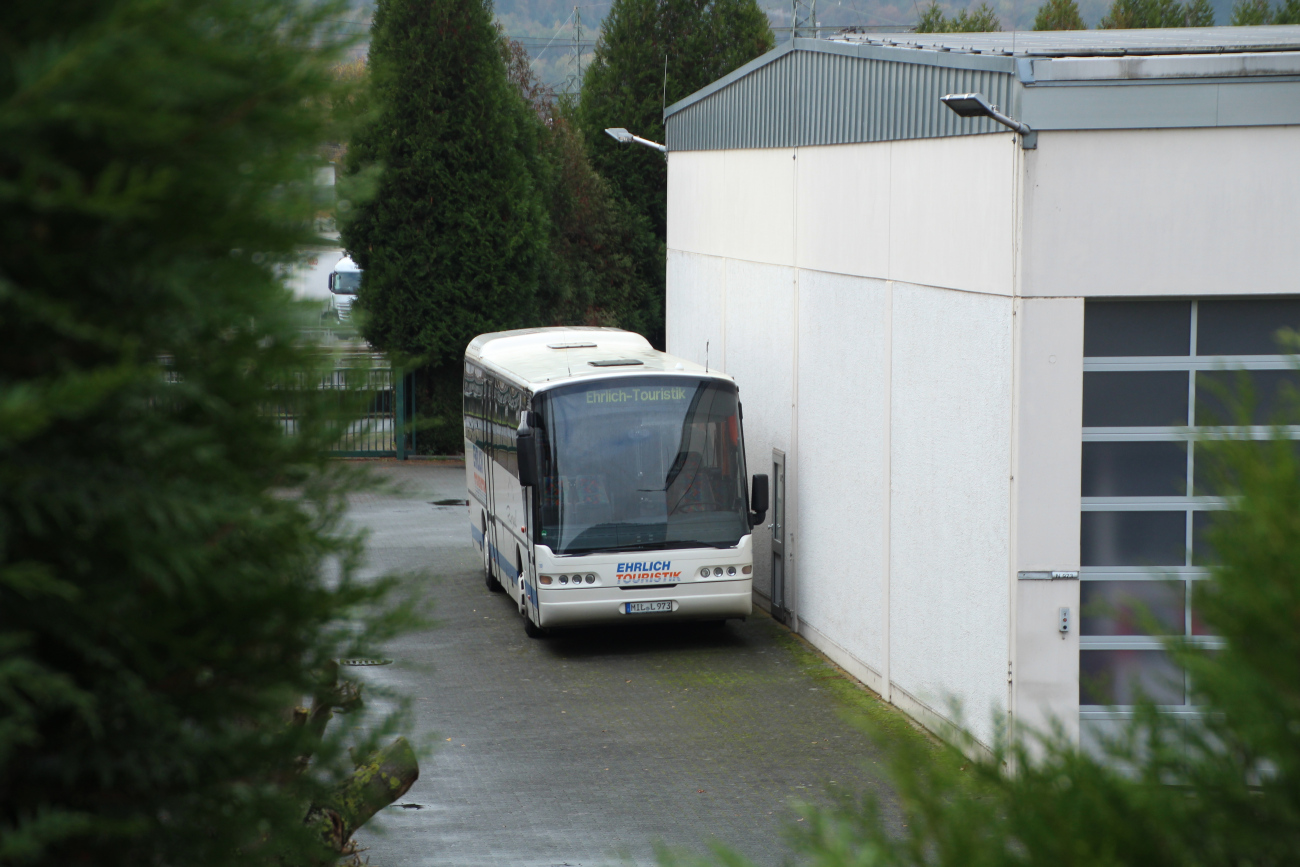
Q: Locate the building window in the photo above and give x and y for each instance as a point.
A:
(1152, 373)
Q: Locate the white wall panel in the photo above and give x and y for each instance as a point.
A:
(933, 211)
(760, 355)
(843, 208)
(695, 298)
(733, 203)
(1162, 212)
(1049, 410)
(950, 534)
(697, 201)
(759, 188)
(952, 212)
(842, 461)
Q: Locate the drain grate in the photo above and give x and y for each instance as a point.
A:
(365, 662)
(449, 502)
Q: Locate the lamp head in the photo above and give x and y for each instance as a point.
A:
(968, 104)
(620, 135)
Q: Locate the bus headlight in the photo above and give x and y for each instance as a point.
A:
(564, 579)
(591, 579)
(704, 573)
(717, 573)
(731, 570)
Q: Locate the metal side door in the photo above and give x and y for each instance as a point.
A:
(780, 610)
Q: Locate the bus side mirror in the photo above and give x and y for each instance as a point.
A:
(331, 282)
(527, 453)
(758, 500)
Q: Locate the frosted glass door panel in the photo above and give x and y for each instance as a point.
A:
(1133, 538)
(1132, 607)
(1135, 399)
(1134, 469)
(1120, 328)
(1122, 676)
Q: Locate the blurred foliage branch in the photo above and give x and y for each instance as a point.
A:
(174, 574)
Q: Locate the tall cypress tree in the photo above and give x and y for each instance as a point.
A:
(651, 53)
(452, 241)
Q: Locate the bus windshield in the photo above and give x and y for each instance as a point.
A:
(640, 463)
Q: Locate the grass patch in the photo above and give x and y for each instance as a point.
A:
(860, 707)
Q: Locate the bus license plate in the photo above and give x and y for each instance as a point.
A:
(648, 607)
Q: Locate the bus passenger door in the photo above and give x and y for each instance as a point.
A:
(780, 610)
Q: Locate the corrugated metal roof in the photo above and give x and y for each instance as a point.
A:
(886, 87)
(816, 97)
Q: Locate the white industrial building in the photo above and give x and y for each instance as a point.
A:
(901, 295)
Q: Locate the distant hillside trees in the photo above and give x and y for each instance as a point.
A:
(453, 242)
(651, 53)
(1255, 12)
(980, 18)
(1136, 14)
(1059, 15)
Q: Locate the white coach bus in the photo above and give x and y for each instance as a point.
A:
(606, 479)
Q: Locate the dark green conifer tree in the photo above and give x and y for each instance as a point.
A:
(1287, 12)
(979, 18)
(454, 237)
(591, 276)
(162, 602)
(1060, 15)
(1134, 14)
(1248, 13)
(651, 53)
(932, 20)
(1199, 13)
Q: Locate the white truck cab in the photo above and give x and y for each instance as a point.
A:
(344, 281)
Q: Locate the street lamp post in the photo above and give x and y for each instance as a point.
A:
(622, 136)
(975, 105)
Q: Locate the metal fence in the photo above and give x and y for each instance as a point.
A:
(381, 427)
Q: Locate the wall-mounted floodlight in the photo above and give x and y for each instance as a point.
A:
(622, 136)
(975, 105)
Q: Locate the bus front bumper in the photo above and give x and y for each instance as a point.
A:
(703, 600)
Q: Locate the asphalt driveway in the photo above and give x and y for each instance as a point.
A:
(589, 748)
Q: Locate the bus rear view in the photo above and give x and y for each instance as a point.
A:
(623, 471)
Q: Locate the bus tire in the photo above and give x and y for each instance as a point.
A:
(531, 629)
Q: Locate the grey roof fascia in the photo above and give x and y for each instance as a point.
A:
(1175, 66)
(1160, 104)
(731, 77)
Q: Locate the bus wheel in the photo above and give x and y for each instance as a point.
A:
(488, 578)
(531, 629)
